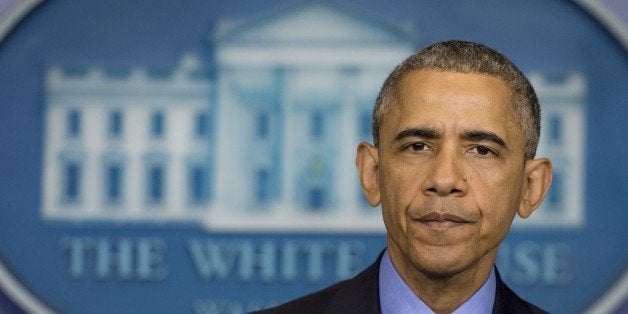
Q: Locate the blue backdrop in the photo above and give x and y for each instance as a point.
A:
(159, 262)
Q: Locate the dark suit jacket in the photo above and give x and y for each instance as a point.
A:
(360, 295)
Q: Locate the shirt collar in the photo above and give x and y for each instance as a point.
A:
(396, 297)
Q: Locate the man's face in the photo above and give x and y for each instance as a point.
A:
(450, 171)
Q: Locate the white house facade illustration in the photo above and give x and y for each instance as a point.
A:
(265, 140)
(127, 144)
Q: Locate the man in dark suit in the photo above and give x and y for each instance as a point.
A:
(455, 130)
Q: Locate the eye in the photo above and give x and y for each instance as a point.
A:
(481, 150)
(416, 147)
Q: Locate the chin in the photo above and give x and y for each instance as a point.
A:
(441, 271)
(441, 265)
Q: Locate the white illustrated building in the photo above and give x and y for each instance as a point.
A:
(266, 141)
(127, 143)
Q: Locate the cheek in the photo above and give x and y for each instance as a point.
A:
(398, 186)
(497, 197)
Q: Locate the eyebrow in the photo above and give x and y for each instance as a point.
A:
(426, 133)
(484, 136)
(472, 135)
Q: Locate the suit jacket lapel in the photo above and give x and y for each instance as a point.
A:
(360, 294)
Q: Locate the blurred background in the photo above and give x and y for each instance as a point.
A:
(197, 156)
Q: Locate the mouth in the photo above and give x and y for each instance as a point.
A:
(436, 220)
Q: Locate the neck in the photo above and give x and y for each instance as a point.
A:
(444, 292)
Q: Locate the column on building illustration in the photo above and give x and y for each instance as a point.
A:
(314, 104)
(114, 161)
(156, 166)
(199, 162)
(249, 137)
(72, 158)
(555, 138)
(369, 83)
(261, 153)
(562, 98)
(349, 82)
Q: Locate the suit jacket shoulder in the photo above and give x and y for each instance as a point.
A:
(507, 302)
(359, 294)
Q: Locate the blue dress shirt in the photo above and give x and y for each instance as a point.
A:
(397, 298)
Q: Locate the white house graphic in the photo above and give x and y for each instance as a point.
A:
(266, 140)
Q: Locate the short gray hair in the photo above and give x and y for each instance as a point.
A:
(467, 57)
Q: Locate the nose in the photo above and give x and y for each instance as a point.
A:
(446, 175)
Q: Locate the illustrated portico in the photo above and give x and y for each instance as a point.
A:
(295, 95)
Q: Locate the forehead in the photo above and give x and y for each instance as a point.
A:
(474, 88)
(444, 99)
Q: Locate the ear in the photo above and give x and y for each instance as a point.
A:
(538, 178)
(367, 163)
